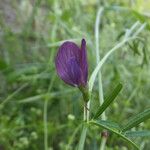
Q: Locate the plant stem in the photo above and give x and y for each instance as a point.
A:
(103, 143)
(109, 53)
(85, 94)
(86, 112)
(13, 94)
(100, 84)
(97, 35)
(82, 138)
(45, 125)
(84, 130)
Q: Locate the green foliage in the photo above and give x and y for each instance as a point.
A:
(137, 119)
(109, 126)
(138, 133)
(82, 138)
(30, 34)
(108, 100)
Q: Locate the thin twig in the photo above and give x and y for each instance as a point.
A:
(45, 125)
(97, 37)
(45, 112)
(14, 94)
(100, 84)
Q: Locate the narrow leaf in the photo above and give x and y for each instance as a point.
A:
(115, 131)
(137, 133)
(108, 100)
(110, 124)
(137, 119)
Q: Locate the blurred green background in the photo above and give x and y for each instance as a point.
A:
(32, 97)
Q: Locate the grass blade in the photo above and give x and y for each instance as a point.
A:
(42, 96)
(108, 100)
(137, 119)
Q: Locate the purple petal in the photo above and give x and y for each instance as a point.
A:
(74, 71)
(69, 53)
(68, 50)
(83, 62)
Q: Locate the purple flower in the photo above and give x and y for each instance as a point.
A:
(71, 63)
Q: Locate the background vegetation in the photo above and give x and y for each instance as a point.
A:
(36, 107)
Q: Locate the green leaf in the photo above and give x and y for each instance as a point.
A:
(137, 133)
(108, 100)
(103, 125)
(82, 138)
(110, 124)
(137, 119)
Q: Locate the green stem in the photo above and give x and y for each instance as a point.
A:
(85, 94)
(82, 138)
(45, 125)
(45, 112)
(97, 37)
(13, 95)
(100, 84)
(103, 143)
(86, 116)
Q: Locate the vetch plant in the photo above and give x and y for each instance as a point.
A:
(72, 67)
(71, 64)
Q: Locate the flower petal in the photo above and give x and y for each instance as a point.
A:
(83, 62)
(74, 71)
(68, 50)
(69, 53)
